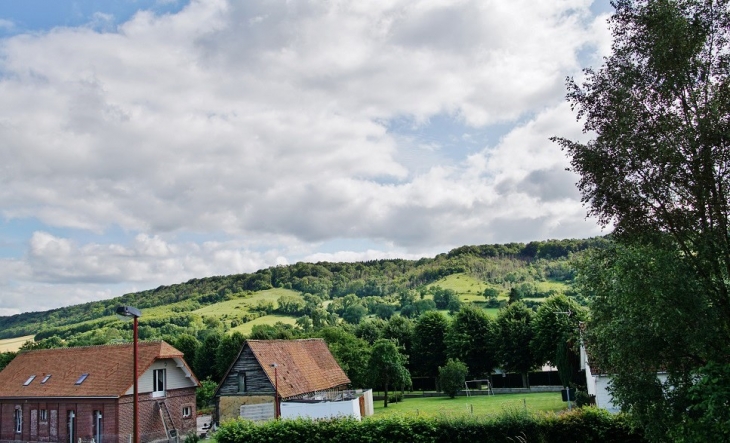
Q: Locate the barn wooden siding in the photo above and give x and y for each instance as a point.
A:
(257, 383)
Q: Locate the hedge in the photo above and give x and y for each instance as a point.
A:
(582, 425)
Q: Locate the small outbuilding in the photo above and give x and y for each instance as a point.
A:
(303, 373)
(67, 395)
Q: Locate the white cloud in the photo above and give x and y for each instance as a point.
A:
(58, 271)
(146, 259)
(267, 122)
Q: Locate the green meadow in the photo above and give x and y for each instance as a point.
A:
(246, 328)
(237, 305)
(474, 405)
(468, 287)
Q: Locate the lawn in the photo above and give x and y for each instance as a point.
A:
(476, 405)
(13, 344)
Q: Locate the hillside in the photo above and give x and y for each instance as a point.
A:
(317, 291)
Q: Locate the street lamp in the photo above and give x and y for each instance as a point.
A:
(130, 311)
(277, 412)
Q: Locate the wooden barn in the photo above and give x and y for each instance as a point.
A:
(304, 371)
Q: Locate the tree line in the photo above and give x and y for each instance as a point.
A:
(387, 353)
(547, 259)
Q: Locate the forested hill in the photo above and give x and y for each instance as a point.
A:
(498, 263)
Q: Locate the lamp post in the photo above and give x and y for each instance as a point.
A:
(277, 413)
(130, 311)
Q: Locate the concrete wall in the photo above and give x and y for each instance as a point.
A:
(325, 409)
(368, 396)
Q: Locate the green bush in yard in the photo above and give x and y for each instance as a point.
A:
(452, 377)
(582, 425)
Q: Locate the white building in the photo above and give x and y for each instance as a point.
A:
(598, 383)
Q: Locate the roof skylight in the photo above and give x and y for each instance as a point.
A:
(81, 379)
(30, 379)
(45, 379)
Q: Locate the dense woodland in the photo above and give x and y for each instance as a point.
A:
(393, 306)
(503, 266)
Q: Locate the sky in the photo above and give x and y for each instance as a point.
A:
(148, 142)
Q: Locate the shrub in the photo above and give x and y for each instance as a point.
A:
(204, 393)
(395, 397)
(582, 399)
(452, 377)
(582, 425)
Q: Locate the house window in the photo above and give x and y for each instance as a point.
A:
(71, 426)
(241, 382)
(98, 427)
(18, 420)
(158, 383)
(187, 411)
(43, 415)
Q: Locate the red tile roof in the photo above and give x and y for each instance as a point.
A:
(110, 369)
(304, 366)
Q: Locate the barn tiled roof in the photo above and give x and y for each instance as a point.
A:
(109, 370)
(304, 366)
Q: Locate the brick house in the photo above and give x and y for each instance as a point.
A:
(69, 394)
(305, 369)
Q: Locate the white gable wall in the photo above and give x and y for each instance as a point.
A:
(603, 398)
(175, 376)
(598, 385)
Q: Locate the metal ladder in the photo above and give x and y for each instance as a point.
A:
(167, 422)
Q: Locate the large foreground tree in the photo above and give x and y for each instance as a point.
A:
(658, 169)
(650, 315)
(659, 111)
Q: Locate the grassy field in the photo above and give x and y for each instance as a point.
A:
(468, 288)
(552, 284)
(243, 303)
(476, 405)
(246, 328)
(13, 344)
